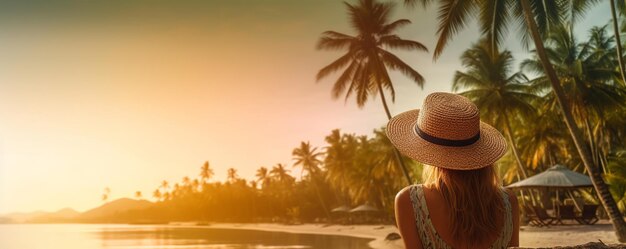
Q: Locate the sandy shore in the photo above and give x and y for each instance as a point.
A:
(375, 232)
(567, 235)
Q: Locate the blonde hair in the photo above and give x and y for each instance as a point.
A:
(473, 196)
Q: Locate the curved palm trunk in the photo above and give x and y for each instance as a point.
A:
(618, 41)
(395, 151)
(596, 176)
(520, 165)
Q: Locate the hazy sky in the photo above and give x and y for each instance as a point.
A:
(125, 95)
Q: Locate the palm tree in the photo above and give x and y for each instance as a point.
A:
(585, 154)
(138, 194)
(500, 95)
(545, 142)
(186, 181)
(308, 159)
(587, 73)
(206, 172)
(535, 17)
(366, 61)
(195, 184)
(157, 194)
(231, 175)
(165, 186)
(285, 182)
(280, 173)
(263, 177)
(339, 158)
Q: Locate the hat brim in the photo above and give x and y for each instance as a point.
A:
(490, 147)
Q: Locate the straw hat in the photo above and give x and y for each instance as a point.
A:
(447, 133)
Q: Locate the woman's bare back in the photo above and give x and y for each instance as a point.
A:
(441, 220)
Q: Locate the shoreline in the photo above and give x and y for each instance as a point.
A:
(376, 233)
(532, 237)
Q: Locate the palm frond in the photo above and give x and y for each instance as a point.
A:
(337, 35)
(354, 81)
(340, 85)
(395, 63)
(391, 27)
(578, 8)
(335, 65)
(413, 3)
(548, 13)
(330, 43)
(522, 27)
(453, 16)
(494, 15)
(394, 42)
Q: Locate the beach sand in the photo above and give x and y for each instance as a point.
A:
(567, 235)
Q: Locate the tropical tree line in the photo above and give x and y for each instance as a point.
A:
(350, 170)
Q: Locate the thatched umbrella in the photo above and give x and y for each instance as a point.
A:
(364, 208)
(341, 209)
(557, 176)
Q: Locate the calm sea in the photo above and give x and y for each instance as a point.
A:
(79, 236)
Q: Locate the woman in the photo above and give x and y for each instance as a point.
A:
(461, 203)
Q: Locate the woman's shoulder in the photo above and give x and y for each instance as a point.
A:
(403, 198)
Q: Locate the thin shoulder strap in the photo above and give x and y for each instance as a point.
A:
(428, 234)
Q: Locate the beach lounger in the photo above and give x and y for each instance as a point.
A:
(543, 217)
(531, 216)
(566, 212)
(588, 215)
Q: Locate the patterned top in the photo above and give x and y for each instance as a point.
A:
(428, 235)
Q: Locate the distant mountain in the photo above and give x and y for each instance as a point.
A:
(66, 213)
(63, 215)
(110, 211)
(6, 220)
(115, 207)
(20, 217)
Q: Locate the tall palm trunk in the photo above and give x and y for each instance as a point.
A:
(383, 71)
(395, 151)
(520, 165)
(596, 177)
(618, 41)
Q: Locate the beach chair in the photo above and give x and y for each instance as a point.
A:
(543, 217)
(566, 212)
(531, 216)
(588, 215)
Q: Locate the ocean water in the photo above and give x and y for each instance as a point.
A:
(82, 236)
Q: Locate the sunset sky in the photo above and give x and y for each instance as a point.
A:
(125, 94)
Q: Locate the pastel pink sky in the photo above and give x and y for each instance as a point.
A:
(131, 95)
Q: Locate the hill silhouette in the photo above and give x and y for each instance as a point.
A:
(115, 207)
(62, 215)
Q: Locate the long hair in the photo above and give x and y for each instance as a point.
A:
(473, 196)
